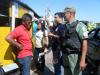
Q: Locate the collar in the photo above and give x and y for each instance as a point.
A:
(72, 21)
(25, 28)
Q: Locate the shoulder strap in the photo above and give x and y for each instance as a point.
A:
(75, 24)
(67, 27)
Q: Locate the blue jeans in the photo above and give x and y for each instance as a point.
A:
(56, 60)
(25, 64)
(57, 69)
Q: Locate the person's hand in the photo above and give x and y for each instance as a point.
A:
(82, 65)
(19, 46)
(45, 50)
(51, 34)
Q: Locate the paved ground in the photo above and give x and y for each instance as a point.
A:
(49, 70)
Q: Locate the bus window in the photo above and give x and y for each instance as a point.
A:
(4, 21)
(17, 22)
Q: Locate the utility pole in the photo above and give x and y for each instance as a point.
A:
(48, 16)
(13, 16)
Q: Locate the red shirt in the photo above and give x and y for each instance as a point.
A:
(23, 36)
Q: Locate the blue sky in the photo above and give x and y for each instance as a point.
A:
(85, 9)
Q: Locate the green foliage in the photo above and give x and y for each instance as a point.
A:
(91, 26)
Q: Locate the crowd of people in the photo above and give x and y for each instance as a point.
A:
(68, 41)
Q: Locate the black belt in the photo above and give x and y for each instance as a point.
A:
(71, 52)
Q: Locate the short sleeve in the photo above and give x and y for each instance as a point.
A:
(15, 33)
(82, 30)
(60, 29)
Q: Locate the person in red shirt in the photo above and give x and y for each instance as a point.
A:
(20, 37)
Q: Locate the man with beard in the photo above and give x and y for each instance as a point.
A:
(55, 43)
